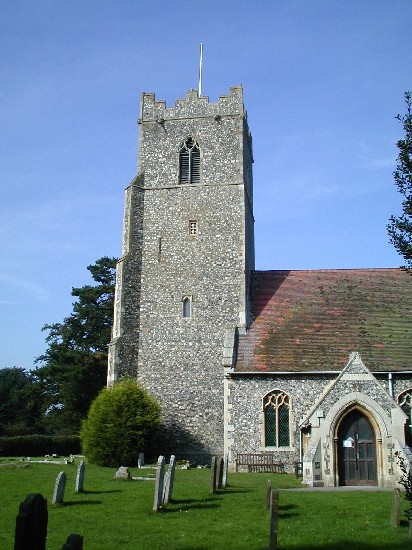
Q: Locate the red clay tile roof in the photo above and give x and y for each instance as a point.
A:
(312, 320)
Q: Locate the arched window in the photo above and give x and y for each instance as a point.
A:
(405, 403)
(189, 162)
(186, 307)
(276, 407)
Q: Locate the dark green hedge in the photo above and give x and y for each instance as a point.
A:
(39, 445)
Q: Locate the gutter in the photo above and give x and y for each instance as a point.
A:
(292, 372)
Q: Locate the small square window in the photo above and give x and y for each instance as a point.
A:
(192, 227)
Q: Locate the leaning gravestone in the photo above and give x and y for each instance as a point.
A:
(160, 473)
(169, 480)
(31, 523)
(59, 488)
(213, 476)
(80, 477)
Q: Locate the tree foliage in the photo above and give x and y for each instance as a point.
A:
(73, 368)
(405, 480)
(118, 425)
(400, 227)
(20, 402)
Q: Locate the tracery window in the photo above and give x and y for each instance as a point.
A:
(276, 407)
(189, 162)
(405, 403)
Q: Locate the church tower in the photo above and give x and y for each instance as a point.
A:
(183, 281)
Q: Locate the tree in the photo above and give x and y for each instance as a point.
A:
(73, 368)
(400, 227)
(405, 480)
(20, 402)
(118, 425)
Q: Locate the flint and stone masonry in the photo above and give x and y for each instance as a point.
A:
(183, 323)
(188, 242)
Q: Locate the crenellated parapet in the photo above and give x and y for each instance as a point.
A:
(192, 106)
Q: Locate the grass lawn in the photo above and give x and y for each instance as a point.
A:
(114, 514)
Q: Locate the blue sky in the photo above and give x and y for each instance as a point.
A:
(323, 81)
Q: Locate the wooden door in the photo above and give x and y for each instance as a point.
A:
(357, 450)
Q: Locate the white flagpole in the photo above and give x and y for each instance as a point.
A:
(200, 69)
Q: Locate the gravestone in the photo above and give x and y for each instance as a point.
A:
(160, 473)
(410, 528)
(140, 460)
(396, 508)
(122, 473)
(274, 513)
(169, 480)
(31, 523)
(268, 494)
(219, 475)
(59, 488)
(73, 542)
(225, 469)
(80, 477)
(213, 475)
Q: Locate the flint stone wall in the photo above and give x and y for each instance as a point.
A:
(245, 401)
(246, 398)
(179, 360)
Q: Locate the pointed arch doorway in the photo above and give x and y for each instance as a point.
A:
(356, 450)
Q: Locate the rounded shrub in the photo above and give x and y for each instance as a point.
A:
(118, 424)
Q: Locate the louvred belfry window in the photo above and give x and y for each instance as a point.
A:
(189, 162)
(276, 407)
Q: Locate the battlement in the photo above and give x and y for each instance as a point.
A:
(192, 106)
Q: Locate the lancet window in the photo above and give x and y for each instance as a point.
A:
(186, 307)
(189, 162)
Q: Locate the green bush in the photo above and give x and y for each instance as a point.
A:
(118, 425)
(39, 445)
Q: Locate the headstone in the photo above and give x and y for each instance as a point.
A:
(219, 475)
(213, 476)
(268, 494)
(169, 480)
(80, 477)
(73, 542)
(410, 527)
(225, 469)
(274, 512)
(122, 473)
(31, 523)
(160, 473)
(59, 488)
(396, 508)
(140, 460)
